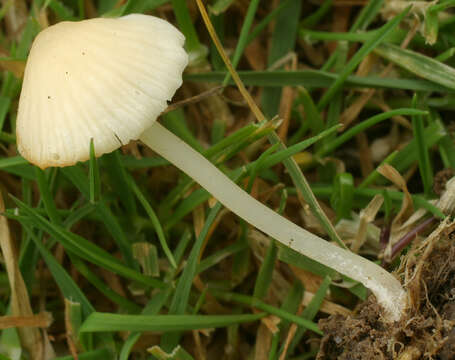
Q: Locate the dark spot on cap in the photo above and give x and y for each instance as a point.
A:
(118, 139)
(48, 96)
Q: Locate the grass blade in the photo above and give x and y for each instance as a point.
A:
(283, 42)
(419, 64)
(254, 302)
(181, 296)
(331, 146)
(155, 221)
(97, 322)
(319, 79)
(85, 249)
(66, 284)
(425, 169)
(367, 47)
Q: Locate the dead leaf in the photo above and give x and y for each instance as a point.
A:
(407, 208)
(367, 215)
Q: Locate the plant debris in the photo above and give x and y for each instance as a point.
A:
(425, 332)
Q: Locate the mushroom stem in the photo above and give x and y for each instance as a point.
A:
(384, 285)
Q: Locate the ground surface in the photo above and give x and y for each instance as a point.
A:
(426, 332)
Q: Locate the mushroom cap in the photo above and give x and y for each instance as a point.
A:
(106, 79)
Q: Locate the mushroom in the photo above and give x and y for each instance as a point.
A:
(108, 80)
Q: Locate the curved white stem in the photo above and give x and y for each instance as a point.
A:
(384, 286)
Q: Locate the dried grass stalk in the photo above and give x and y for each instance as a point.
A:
(31, 338)
(41, 320)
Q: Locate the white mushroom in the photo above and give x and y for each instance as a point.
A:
(106, 79)
(109, 79)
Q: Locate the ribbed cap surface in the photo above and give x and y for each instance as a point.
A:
(106, 79)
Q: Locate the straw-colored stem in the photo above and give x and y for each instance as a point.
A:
(384, 286)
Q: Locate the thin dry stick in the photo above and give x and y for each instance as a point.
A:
(212, 228)
(289, 337)
(201, 353)
(406, 239)
(254, 108)
(194, 99)
(41, 320)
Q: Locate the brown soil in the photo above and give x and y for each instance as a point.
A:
(440, 180)
(425, 332)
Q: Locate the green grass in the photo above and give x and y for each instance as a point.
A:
(147, 258)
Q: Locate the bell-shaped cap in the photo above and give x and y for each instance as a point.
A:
(106, 79)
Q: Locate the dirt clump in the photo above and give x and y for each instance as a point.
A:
(427, 329)
(440, 180)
